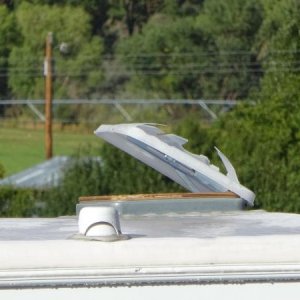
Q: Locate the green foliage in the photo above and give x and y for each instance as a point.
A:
(160, 64)
(280, 27)
(278, 42)
(204, 54)
(132, 14)
(17, 202)
(8, 35)
(76, 71)
(84, 176)
(165, 49)
(114, 173)
(2, 171)
(232, 69)
(263, 143)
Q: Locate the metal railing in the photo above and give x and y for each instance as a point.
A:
(119, 104)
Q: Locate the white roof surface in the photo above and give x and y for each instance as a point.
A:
(200, 247)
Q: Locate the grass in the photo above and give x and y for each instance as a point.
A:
(23, 148)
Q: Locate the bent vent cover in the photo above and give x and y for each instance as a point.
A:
(165, 153)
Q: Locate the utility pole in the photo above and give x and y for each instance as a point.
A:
(48, 73)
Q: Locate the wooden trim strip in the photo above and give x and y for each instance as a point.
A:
(165, 196)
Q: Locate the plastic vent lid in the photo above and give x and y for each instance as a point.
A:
(165, 153)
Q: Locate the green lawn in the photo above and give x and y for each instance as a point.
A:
(23, 148)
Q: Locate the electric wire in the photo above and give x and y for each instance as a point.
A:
(173, 68)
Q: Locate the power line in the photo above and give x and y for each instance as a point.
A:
(172, 69)
(173, 65)
(170, 72)
(172, 54)
(165, 65)
(213, 53)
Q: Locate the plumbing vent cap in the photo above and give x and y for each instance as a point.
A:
(99, 222)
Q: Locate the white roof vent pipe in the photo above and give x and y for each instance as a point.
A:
(99, 223)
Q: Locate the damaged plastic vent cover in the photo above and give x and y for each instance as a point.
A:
(165, 153)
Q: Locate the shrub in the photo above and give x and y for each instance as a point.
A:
(2, 171)
(17, 202)
(114, 173)
(83, 176)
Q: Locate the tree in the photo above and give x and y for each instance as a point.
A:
(2, 171)
(132, 14)
(17, 202)
(278, 41)
(114, 173)
(164, 58)
(78, 72)
(232, 68)
(83, 176)
(207, 53)
(263, 143)
(8, 35)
